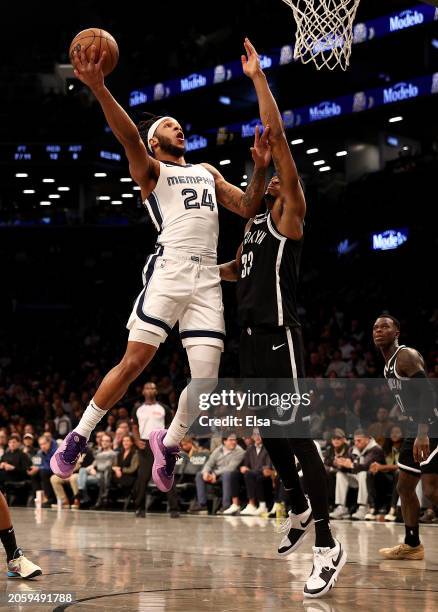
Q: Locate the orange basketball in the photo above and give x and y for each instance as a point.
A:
(103, 42)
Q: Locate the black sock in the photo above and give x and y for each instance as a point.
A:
(323, 535)
(7, 537)
(297, 500)
(412, 536)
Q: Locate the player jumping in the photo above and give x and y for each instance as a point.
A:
(181, 278)
(271, 346)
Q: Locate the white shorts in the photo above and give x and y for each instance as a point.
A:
(179, 287)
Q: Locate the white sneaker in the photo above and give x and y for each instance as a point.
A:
(391, 516)
(371, 515)
(327, 564)
(360, 514)
(233, 509)
(340, 512)
(297, 526)
(250, 510)
(23, 568)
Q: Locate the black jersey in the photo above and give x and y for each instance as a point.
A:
(406, 393)
(268, 276)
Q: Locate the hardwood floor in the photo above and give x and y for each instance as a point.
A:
(115, 562)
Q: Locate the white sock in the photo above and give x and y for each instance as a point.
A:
(262, 506)
(90, 419)
(180, 423)
(204, 366)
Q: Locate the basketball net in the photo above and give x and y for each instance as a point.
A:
(324, 31)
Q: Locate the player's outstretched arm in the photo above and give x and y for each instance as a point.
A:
(144, 169)
(290, 210)
(246, 203)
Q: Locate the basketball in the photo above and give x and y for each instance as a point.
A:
(103, 42)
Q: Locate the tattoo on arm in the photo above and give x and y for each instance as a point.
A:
(255, 188)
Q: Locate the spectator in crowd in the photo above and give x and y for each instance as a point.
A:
(98, 473)
(60, 494)
(337, 365)
(40, 471)
(98, 440)
(14, 463)
(110, 423)
(150, 415)
(189, 446)
(383, 478)
(121, 431)
(125, 471)
(61, 420)
(353, 472)
(221, 467)
(257, 470)
(337, 449)
(3, 442)
(28, 445)
(379, 430)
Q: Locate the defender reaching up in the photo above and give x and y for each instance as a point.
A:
(271, 346)
(181, 277)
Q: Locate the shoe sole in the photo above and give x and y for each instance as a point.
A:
(297, 543)
(153, 443)
(32, 575)
(401, 558)
(333, 580)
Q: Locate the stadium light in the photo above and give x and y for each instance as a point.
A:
(127, 195)
(63, 188)
(54, 196)
(245, 176)
(136, 188)
(395, 119)
(311, 151)
(297, 141)
(319, 162)
(116, 202)
(21, 175)
(224, 162)
(243, 184)
(45, 203)
(28, 190)
(341, 153)
(48, 180)
(126, 179)
(324, 168)
(103, 198)
(100, 174)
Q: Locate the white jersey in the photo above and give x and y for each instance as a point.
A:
(184, 210)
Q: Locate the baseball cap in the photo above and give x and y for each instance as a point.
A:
(28, 435)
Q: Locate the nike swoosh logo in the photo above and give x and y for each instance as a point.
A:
(304, 525)
(336, 563)
(274, 348)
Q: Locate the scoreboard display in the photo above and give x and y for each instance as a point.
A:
(57, 152)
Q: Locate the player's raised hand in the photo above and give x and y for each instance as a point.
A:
(261, 151)
(251, 61)
(89, 71)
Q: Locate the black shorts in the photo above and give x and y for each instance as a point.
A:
(406, 458)
(275, 356)
(275, 352)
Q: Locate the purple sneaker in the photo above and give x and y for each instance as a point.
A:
(164, 460)
(64, 460)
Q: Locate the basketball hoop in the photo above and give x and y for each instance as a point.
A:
(324, 31)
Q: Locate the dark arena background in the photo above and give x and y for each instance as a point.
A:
(74, 237)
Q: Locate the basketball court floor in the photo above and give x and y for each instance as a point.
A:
(113, 561)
